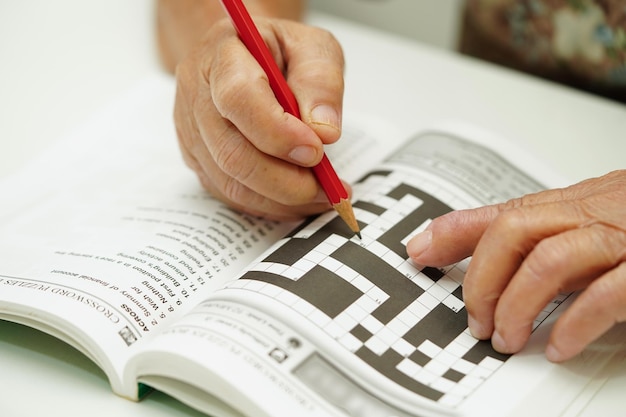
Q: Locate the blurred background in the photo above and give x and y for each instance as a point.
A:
(433, 22)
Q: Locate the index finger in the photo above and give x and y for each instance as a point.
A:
(455, 235)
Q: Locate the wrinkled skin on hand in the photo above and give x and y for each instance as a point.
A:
(528, 250)
(245, 149)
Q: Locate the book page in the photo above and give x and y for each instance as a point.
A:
(396, 330)
(108, 236)
(234, 353)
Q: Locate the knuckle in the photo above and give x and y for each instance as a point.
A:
(512, 204)
(244, 199)
(512, 218)
(328, 43)
(611, 240)
(234, 160)
(230, 82)
(235, 192)
(548, 257)
(230, 94)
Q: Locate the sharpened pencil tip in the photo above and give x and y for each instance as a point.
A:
(344, 209)
(359, 235)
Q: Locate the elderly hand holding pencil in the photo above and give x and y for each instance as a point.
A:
(234, 133)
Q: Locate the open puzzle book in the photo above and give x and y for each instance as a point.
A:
(117, 251)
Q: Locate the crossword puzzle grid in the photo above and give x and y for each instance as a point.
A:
(445, 367)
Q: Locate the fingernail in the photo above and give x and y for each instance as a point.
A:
(553, 354)
(325, 115)
(476, 329)
(498, 342)
(419, 243)
(304, 155)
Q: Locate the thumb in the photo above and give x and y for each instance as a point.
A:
(315, 74)
(451, 237)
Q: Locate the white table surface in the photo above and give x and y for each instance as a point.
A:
(63, 60)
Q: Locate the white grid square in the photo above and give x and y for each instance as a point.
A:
(403, 347)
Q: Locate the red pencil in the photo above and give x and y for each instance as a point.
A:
(324, 171)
